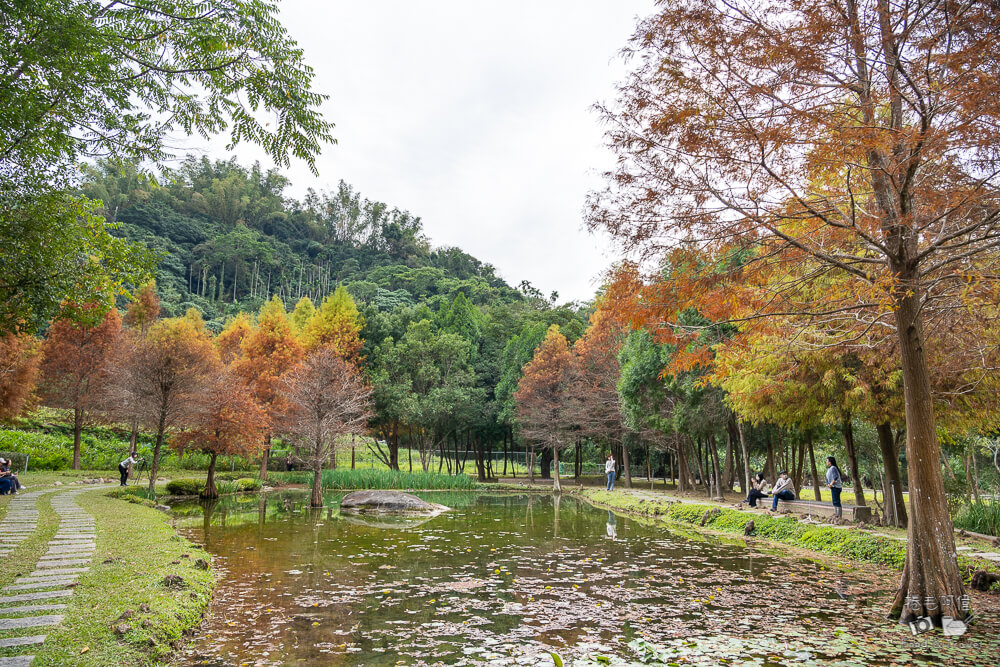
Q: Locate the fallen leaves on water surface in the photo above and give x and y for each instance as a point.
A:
(463, 599)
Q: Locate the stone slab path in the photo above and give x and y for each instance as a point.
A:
(34, 600)
(20, 522)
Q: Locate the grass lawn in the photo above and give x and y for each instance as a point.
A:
(136, 548)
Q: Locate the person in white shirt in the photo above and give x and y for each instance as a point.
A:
(783, 490)
(609, 470)
(123, 467)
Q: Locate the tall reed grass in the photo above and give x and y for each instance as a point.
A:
(982, 517)
(377, 479)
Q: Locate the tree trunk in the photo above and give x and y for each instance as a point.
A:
(133, 438)
(316, 500)
(393, 443)
(670, 470)
(683, 476)
(210, 491)
(504, 452)
(799, 465)
(852, 460)
(626, 464)
(490, 472)
(727, 475)
(265, 455)
(812, 465)
(975, 475)
(649, 467)
(546, 463)
(769, 472)
(577, 461)
(556, 488)
(77, 430)
(931, 569)
(746, 458)
(702, 475)
(480, 462)
(895, 510)
(154, 468)
(716, 466)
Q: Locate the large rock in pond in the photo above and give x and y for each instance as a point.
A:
(388, 502)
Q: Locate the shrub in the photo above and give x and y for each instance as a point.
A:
(45, 452)
(242, 485)
(185, 487)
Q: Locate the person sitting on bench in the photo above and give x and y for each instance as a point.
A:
(783, 490)
(758, 489)
(7, 473)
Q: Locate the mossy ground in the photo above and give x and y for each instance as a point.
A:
(136, 548)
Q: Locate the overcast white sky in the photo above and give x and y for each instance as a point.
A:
(475, 116)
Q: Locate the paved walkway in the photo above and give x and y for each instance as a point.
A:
(33, 602)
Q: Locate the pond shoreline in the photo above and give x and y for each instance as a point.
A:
(846, 542)
(141, 645)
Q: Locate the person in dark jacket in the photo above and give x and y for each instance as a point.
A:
(6, 472)
(758, 489)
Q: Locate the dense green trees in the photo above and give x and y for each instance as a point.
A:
(229, 239)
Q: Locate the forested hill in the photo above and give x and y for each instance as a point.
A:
(229, 239)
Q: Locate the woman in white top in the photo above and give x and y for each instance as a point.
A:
(123, 467)
(609, 470)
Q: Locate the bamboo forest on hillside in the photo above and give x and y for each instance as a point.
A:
(248, 417)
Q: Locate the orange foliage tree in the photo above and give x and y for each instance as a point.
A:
(541, 397)
(268, 352)
(324, 396)
(19, 364)
(226, 421)
(230, 339)
(162, 379)
(141, 314)
(591, 387)
(76, 365)
(860, 137)
(144, 309)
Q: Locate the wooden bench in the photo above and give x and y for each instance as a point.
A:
(815, 508)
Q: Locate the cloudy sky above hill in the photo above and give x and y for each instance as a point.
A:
(475, 116)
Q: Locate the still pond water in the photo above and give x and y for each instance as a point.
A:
(508, 579)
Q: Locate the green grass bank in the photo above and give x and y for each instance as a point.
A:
(122, 612)
(835, 541)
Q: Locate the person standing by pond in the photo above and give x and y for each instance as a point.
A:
(783, 490)
(835, 483)
(609, 470)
